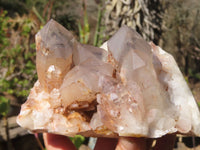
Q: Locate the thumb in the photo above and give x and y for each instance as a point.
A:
(131, 144)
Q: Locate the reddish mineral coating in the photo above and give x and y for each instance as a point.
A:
(126, 88)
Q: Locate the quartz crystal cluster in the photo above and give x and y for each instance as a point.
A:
(128, 87)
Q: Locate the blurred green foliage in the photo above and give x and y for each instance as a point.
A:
(3, 28)
(84, 28)
(4, 102)
(17, 57)
(77, 140)
(44, 10)
(99, 28)
(4, 106)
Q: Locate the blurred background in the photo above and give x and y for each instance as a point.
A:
(173, 25)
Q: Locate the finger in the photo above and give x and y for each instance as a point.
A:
(131, 144)
(106, 144)
(165, 143)
(57, 142)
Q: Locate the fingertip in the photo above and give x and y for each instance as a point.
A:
(57, 142)
(166, 142)
(106, 144)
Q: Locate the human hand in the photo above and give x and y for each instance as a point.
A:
(59, 142)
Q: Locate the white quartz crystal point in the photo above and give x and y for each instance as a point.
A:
(85, 52)
(179, 93)
(54, 46)
(126, 40)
